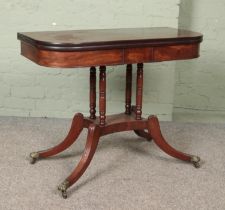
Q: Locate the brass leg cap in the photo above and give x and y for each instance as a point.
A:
(33, 157)
(64, 194)
(195, 160)
(63, 187)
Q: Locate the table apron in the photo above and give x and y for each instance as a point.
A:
(109, 57)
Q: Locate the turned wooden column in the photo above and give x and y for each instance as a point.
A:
(92, 92)
(139, 90)
(128, 89)
(102, 95)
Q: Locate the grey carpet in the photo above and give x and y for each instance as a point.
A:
(126, 172)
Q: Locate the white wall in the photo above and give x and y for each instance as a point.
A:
(200, 83)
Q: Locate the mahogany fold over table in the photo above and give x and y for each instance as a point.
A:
(92, 48)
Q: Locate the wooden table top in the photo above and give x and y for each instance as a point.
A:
(77, 40)
(104, 47)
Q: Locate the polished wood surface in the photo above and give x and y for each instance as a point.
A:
(90, 147)
(75, 130)
(109, 57)
(102, 95)
(72, 59)
(92, 95)
(76, 40)
(100, 48)
(139, 55)
(154, 129)
(176, 52)
(139, 90)
(128, 95)
(109, 47)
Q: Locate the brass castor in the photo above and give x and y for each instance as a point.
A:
(33, 157)
(64, 194)
(63, 187)
(195, 160)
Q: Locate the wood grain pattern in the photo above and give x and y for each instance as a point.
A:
(138, 55)
(87, 48)
(80, 59)
(154, 129)
(89, 151)
(30, 52)
(108, 57)
(99, 39)
(139, 91)
(92, 94)
(128, 93)
(117, 123)
(75, 130)
(176, 52)
(102, 95)
(71, 59)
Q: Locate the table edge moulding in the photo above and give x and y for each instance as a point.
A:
(108, 47)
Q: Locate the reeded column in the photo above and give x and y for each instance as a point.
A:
(102, 95)
(92, 92)
(128, 89)
(139, 91)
